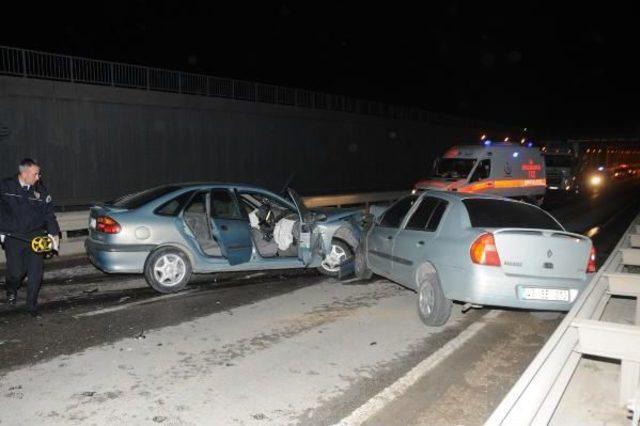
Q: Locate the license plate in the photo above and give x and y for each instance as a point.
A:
(545, 294)
(92, 223)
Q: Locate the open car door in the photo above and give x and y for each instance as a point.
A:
(308, 244)
(231, 227)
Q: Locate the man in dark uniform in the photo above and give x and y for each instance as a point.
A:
(26, 211)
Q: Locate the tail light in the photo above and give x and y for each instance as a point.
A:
(591, 265)
(107, 225)
(484, 252)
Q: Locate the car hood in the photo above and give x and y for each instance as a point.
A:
(439, 183)
(338, 214)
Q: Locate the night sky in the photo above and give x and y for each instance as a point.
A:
(562, 70)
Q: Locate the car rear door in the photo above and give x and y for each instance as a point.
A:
(412, 243)
(230, 226)
(380, 237)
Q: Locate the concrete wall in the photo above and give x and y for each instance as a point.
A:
(98, 142)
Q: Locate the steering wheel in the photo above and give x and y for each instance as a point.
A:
(266, 220)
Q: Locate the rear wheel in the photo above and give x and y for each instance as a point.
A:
(167, 270)
(340, 253)
(434, 309)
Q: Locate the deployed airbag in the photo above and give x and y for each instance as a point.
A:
(283, 233)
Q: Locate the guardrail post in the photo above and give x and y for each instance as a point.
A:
(112, 76)
(71, 69)
(179, 82)
(148, 79)
(24, 63)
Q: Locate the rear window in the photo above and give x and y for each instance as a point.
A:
(485, 213)
(137, 199)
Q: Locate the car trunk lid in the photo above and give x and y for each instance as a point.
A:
(543, 253)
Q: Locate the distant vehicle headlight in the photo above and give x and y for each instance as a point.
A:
(595, 180)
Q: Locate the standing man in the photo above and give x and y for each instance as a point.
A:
(26, 211)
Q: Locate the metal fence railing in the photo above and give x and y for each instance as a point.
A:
(41, 65)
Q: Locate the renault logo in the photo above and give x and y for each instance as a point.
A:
(549, 253)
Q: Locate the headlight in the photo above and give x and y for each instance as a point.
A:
(413, 191)
(595, 180)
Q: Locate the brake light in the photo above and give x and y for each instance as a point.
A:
(107, 225)
(591, 265)
(484, 252)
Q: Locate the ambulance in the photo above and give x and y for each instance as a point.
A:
(504, 169)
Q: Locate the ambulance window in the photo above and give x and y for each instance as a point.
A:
(483, 171)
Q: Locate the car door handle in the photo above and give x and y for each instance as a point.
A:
(389, 237)
(224, 228)
(420, 243)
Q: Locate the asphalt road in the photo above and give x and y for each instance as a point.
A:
(281, 348)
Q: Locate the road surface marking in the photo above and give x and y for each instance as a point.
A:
(390, 393)
(128, 305)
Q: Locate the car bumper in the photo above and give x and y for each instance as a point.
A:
(114, 258)
(486, 285)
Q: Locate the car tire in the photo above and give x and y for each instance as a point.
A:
(434, 309)
(167, 270)
(339, 250)
(362, 271)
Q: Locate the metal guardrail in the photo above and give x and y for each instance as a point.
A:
(535, 396)
(49, 66)
(74, 222)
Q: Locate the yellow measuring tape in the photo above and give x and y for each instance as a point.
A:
(42, 244)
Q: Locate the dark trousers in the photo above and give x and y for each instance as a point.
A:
(22, 261)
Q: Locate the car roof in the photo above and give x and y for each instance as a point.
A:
(459, 196)
(499, 146)
(205, 184)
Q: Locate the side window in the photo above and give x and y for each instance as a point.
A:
(394, 214)
(483, 171)
(421, 216)
(197, 205)
(173, 207)
(436, 216)
(223, 205)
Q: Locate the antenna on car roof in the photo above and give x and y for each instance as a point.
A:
(287, 183)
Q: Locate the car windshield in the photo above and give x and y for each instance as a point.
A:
(557, 160)
(454, 167)
(488, 213)
(137, 199)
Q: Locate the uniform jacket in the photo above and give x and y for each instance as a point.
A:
(25, 211)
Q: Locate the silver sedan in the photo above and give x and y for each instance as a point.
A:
(169, 232)
(475, 249)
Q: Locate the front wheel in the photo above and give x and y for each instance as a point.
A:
(340, 253)
(167, 270)
(434, 309)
